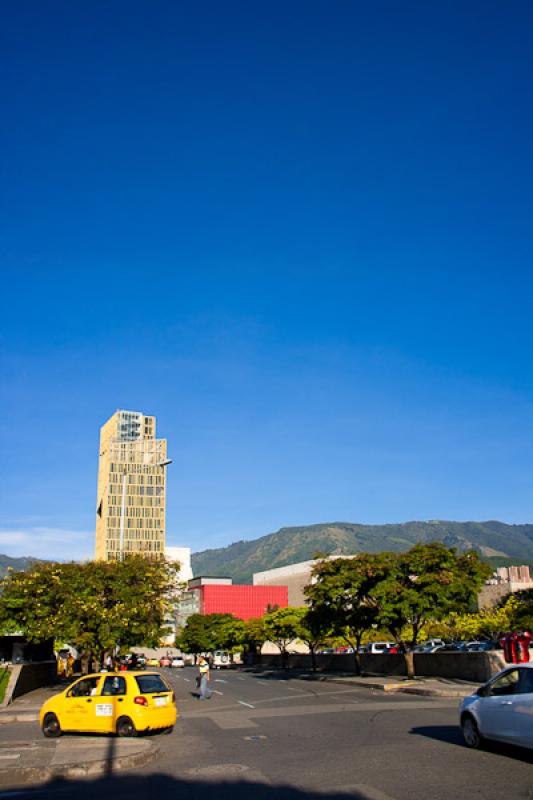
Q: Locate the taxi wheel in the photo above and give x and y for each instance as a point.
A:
(51, 726)
(125, 727)
(166, 731)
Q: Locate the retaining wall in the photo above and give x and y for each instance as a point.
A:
(27, 677)
(477, 667)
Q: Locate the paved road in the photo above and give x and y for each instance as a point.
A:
(260, 732)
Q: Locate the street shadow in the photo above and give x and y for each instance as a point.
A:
(451, 734)
(156, 786)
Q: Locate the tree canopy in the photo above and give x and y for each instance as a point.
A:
(94, 606)
(399, 592)
(204, 633)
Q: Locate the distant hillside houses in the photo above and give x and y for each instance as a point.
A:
(504, 581)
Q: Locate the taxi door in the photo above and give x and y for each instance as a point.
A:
(108, 703)
(77, 707)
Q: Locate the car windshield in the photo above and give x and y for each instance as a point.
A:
(149, 684)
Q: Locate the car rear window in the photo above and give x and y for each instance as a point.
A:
(149, 684)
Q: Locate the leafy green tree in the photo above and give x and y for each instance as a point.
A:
(487, 622)
(281, 628)
(95, 606)
(427, 583)
(205, 633)
(522, 618)
(341, 597)
(254, 634)
(310, 630)
(230, 633)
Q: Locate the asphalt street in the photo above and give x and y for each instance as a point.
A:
(266, 734)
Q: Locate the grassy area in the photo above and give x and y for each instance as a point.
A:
(4, 680)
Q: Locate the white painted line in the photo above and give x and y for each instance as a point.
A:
(245, 704)
(5, 756)
(220, 680)
(215, 691)
(241, 679)
(187, 679)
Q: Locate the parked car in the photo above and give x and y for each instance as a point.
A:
(125, 704)
(152, 662)
(378, 647)
(177, 662)
(482, 647)
(451, 647)
(501, 709)
(221, 659)
(165, 661)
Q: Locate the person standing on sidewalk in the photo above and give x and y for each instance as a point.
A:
(203, 669)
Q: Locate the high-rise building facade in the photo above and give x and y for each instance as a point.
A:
(130, 512)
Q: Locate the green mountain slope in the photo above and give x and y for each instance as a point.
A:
(18, 564)
(240, 560)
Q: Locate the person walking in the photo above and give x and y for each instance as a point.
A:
(203, 669)
(70, 666)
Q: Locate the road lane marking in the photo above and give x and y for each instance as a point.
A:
(220, 680)
(215, 691)
(248, 705)
(187, 679)
(364, 791)
(241, 679)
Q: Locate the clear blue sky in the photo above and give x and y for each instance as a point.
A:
(298, 233)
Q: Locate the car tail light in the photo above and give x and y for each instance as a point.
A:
(141, 701)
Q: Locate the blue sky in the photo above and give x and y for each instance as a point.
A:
(297, 233)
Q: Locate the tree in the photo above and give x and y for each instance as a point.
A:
(281, 628)
(310, 629)
(94, 606)
(341, 597)
(254, 634)
(490, 622)
(229, 634)
(204, 633)
(427, 583)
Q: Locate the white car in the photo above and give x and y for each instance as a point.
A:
(502, 709)
(177, 661)
(378, 647)
(221, 659)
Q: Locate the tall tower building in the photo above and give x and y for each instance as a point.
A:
(130, 511)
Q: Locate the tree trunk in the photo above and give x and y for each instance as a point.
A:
(313, 658)
(85, 659)
(410, 663)
(357, 660)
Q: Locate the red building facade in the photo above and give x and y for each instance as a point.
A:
(243, 602)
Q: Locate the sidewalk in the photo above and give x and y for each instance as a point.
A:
(428, 687)
(27, 758)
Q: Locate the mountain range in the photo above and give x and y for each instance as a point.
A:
(496, 542)
(17, 564)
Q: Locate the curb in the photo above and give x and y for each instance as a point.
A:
(458, 693)
(35, 775)
(407, 687)
(29, 716)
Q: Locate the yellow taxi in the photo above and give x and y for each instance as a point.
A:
(124, 703)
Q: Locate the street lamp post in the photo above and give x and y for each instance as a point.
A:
(164, 463)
